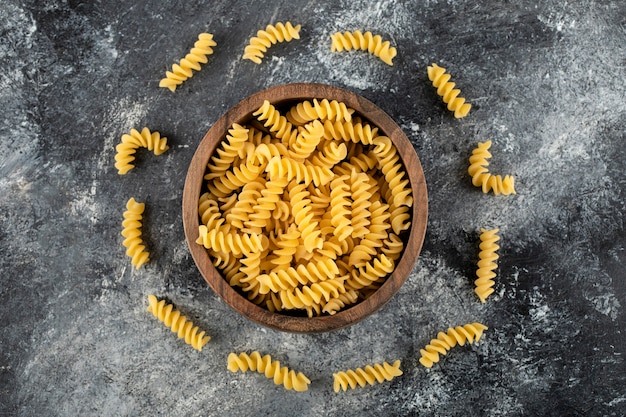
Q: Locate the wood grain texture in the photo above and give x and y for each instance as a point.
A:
(241, 113)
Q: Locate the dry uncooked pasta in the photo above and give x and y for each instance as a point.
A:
(449, 94)
(481, 177)
(177, 323)
(365, 42)
(196, 56)
(131, 142)
(272, 34)
(469, 333)
(305, 218)
(371, 374)
(272, 370)
(131, 230)
(487, 263)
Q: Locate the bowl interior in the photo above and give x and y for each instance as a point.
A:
(241, 113)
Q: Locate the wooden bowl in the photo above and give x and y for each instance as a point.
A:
(241, 113)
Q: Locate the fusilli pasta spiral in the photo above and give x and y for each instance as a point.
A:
(304, 217)
(272, 370)
(293, 170)
(196, 56)
(481, 177)
(350, 131)
(125, 150)
(340, 201)
(287, 246)
(368, 375)
(335, 304)
(448, 93)
(446, 341)
(178, 323)
(276, 122)
(366, 42)
(303, 274)
(324, 110)
(238, 244)
(227, 152)
(306, 212)
(487, 263)
(309, 295)
(131, 230)
(272, 34)
(369, 274)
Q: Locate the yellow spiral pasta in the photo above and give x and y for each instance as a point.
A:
(361, 190)
(238, 244)
(266, 204)
(236, 178)
(244, 206)
(487, 263)
(310, 295)
(210, 214)
(196, 56)
(307, 140)
(393, 246)
(307, 212)
(329, 155)
(178, 323)
(131, 230)
(291, 169)
(364, 41)
(371, 273)
(286, 248)
(272, 370)
(368, 246)
(446, 341)
(125, 150)
(449, 94)
(251, 267)
(266, 151)
(363, 162)
(340, 201)
(324, 110)
(303, 274)
(481, 177)
(371, 374)
(349, 131)
(272, 34)
(304, 217)
(337, 303)
(389, 163)
(229, 150)
(276, 122)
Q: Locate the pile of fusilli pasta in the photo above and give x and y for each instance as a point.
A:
(306, 210)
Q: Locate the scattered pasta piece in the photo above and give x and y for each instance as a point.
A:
(365, 42)
(177, 323)
(272, 34)
(446, 341)
(446, 90)
(272, 370)
(481, 177)
(305, 217)
(131, 230)
(368, 375)
(131, 142)
(196, 56)
(486, 265)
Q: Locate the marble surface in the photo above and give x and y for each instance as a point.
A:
(546, 80)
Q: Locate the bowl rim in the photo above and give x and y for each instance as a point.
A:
(240, 113)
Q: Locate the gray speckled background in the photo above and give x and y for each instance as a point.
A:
(546, 80)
